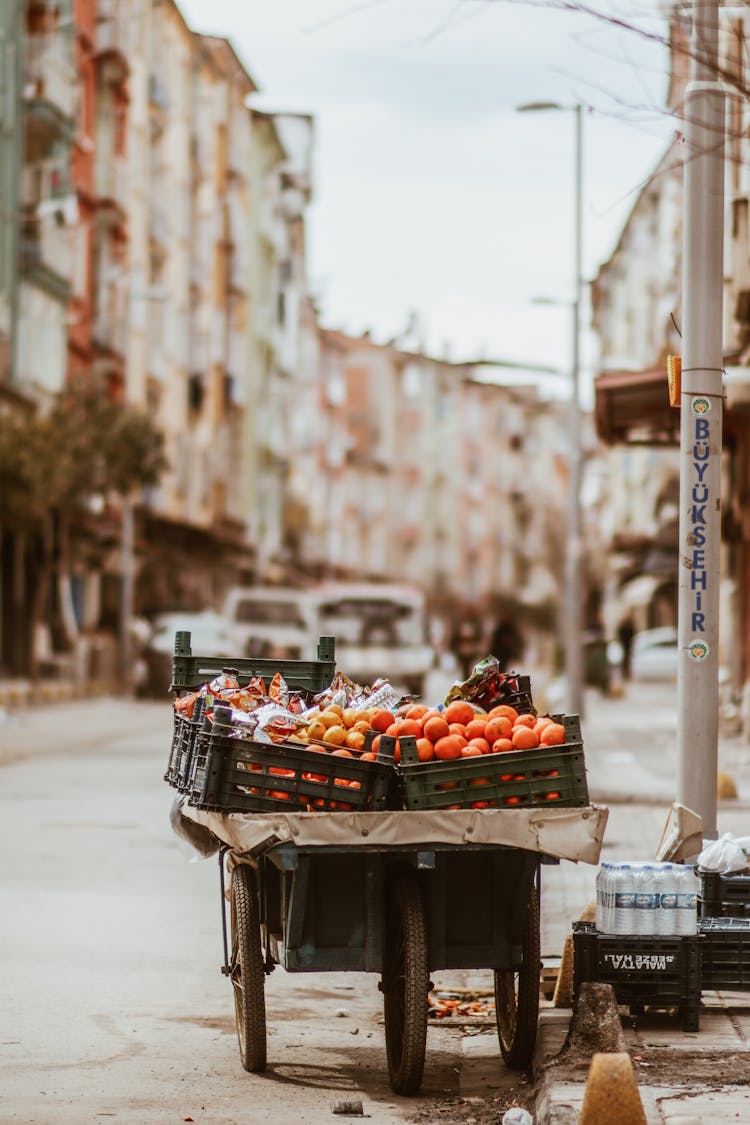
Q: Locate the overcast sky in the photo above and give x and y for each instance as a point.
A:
(431, 192)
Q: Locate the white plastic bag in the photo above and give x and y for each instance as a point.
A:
(724, 855)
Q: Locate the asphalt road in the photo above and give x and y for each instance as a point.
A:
(113, 1005)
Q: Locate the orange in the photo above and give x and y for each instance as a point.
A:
(342, 752)
(425, 750)
(316, 730)
(524, 738)
(410, 727)
(417, 711)
(349, 716)
(368, 757)
(483, 804)
(380, 720)
(553, 735)
(506, 710)
(502, 745)
(457, 728)
(459, 711)
(355, 740)
(554, 796)
(448, 747)
(499, 727)
(525, 721)
(481, 743)
(335, 736)
(471, 750)
(476, 728)
(435, 728)
(329, 718)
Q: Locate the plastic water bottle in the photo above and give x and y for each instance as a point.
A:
(645, 899)
(686, 907)
(623, 888)
(664, 888)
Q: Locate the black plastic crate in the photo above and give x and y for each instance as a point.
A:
(189, 671)
(726, 953)
(644, 970)
(550, 776)
(724, 896)
(234, 774)
(181, 752)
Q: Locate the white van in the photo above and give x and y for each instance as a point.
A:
(380, 630)
(273, 621)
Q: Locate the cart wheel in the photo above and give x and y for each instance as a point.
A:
(246, 969)
(405, 986)
(517, 996)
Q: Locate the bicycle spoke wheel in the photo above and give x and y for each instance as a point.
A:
(246, 970)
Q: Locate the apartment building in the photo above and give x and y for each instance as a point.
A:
(641, 285)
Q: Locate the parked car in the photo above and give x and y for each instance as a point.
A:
(653, 655)
(210, 635)
(272, 621)
(380, 630)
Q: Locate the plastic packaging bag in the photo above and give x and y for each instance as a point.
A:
(725, 854)
(197, 835)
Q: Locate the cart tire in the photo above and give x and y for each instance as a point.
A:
(405, 986)
(517, 996)
(246, 970)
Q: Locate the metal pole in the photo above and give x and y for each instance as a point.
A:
(574, 541)
(701, 425)
(127, 545)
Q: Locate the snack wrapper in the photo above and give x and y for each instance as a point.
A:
(276, 722)
(486, 686)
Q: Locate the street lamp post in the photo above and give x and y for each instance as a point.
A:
(573, 610)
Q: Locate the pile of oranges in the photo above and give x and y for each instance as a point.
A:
(461, 731)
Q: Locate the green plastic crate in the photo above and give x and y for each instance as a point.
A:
(232, 774)
(551, 776)
(189, 671)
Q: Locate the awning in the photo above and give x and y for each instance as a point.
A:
(633, 407)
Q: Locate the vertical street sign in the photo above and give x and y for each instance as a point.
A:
(701, 425)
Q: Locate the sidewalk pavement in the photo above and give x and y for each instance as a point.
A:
(684, 1078)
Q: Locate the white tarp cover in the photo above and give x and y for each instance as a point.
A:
(574, 834)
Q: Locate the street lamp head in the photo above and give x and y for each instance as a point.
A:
(538, 107)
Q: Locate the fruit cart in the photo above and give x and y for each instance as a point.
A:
(374, 887)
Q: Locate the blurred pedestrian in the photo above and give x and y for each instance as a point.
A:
(506, 643)
(625, 634)
(466, 643)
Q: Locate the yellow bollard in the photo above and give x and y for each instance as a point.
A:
(611, 1093)
(726, 790)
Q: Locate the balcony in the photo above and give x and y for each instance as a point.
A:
(50, 90)
(46, 259)
(111, 188)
